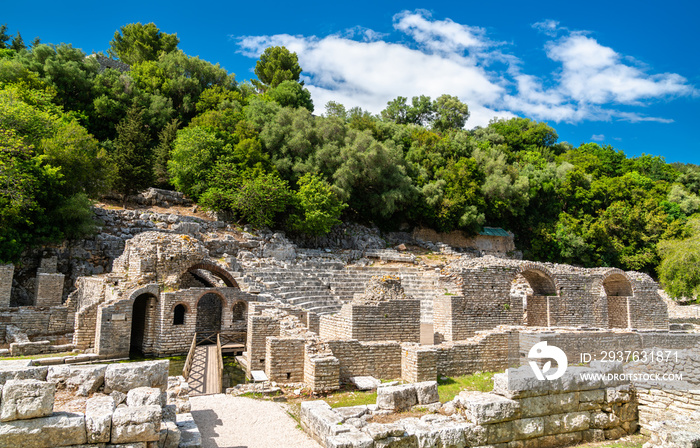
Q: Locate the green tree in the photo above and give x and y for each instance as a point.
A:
(135, 43)
(291, 94)
(18, 43)
(166, 139)
(679, 270)
(132, 155)
(276, 64)
(450, 113)
(319, 206)
(194, 154)
(4, 37)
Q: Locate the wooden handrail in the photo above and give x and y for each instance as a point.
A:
(190, 358)
(220, 360)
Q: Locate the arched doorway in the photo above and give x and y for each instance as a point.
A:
(534, 287)
(209, 314)
(142, 318)
(618, 290)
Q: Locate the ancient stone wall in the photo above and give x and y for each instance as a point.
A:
(377, 359)
(321, 372)
(259, 328)
(6, 273)
(49, 289)
(284, 359)
(397, 320)
(37, 322)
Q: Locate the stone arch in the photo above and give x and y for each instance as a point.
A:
(209, 307)
(239, 313)
(217, 271)
(179, 313)
(617, 288)
(536, 295)
(143, 322)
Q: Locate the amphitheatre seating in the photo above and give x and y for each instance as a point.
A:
(325, 290)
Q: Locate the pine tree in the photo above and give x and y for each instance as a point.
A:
(132, 155)
(4, 37)
(18, 43)
(162, 153)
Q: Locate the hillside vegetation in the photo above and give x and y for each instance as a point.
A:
(71, 130)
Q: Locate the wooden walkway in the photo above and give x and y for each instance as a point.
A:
(205, 378)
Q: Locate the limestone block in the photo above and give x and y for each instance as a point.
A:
(627, 412)
(365, 382)
(452, 436)
(124, 377)
(558, 440)
(499, 432)
(62, 427)
(397, 398)
(169, 435)
(351, 411)
(593, 435)
(604, 420)
(383, 430)
(189, 433)
(561, 423)
(427, 392)
(98, 419)
(85, 380)
(24, 399)
(169, 412)
(145, 396)
(549, 404)
(590, 400)
(474, 435)
(397, 442)
(320, 420)
(528, 428)
(136, 424)
(354, 439)
(614, 433)
(620, 394)
(13, 372)
(428, 434)
(485, 408)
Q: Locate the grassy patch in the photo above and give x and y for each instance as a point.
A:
(354, 398)
(448, 388)
(43, 355)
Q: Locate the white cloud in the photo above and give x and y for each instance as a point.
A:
(360, 67)
(597, 137)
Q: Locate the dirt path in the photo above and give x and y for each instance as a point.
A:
(239, 422)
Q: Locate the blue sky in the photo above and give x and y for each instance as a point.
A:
(624, 73)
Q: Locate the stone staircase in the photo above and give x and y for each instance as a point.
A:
(325, 290)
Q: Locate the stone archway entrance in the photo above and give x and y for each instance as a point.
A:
(142, 318)
(618, 290)
(209, 310)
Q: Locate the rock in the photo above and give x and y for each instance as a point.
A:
(318, 419)
(486, 408)
(145, 396)
(561, 423)
(24, 399)
(11, 371)
(427, 392)
(169, 435)
(448, 408)
(365, 382)
(528, 428)
(397, 398)
(68, 428)
(350, 440)
(127, 376)
(187, 227)
(85, 380)
(136, 424)
(397, 442)
(98, 418)
(379, 431)
(15, 334)
(119, 397)
(351, 412)
(189, 433)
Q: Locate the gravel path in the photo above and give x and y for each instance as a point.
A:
(238, 422)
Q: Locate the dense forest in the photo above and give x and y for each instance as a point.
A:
(74, 127)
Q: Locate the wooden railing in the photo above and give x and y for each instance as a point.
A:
(219, 360)
(235, 337)
(190, 358)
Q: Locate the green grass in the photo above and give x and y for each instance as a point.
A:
(354, 398)
(448, 388)
(43, 355)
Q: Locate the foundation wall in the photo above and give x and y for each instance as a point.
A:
(37, 322)
(6, 273)
(284, 359)
(377, 359)
(49, 289)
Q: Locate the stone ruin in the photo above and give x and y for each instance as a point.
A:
(520, 411)
(135, 405)
(320, 319)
